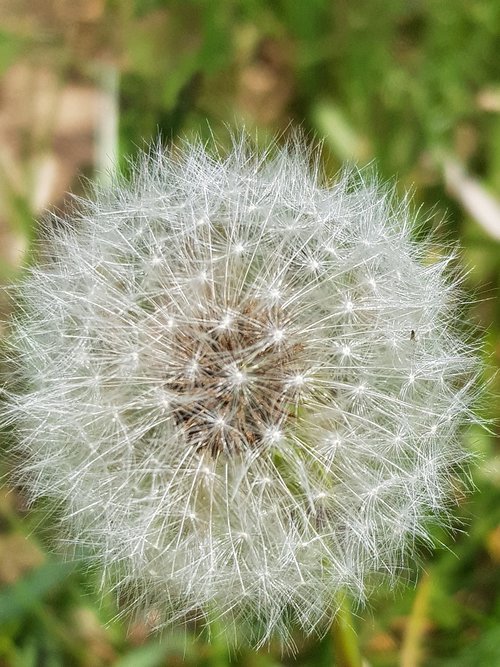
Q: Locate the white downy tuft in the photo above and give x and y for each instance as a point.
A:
(242, 387)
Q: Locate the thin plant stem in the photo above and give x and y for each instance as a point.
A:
(344, 636)
(411, 651)
(219, 650)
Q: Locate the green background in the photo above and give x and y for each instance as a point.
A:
(413, 87)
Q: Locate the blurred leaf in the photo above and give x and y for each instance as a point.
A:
(27, 593)
(27, 656)
(152, 655)
(306, 19)
(474, 197)
(340, 135)
(10, 46)
(482, 650)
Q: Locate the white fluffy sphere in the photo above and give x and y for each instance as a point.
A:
(241, 385)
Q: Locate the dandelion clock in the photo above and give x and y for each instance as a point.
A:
(241, 385)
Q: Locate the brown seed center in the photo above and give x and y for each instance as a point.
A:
(231, 384)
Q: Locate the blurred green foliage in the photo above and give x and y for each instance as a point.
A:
(406, 84)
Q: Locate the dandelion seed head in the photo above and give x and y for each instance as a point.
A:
(224, 390)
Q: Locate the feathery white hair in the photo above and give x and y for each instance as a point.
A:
(242, 386)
